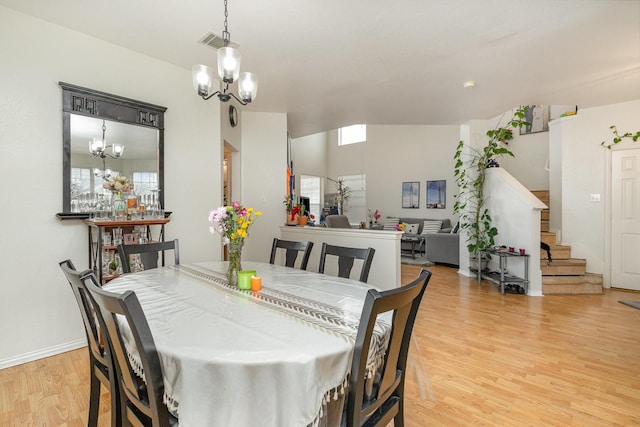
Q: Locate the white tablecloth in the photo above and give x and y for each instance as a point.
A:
(243, 358)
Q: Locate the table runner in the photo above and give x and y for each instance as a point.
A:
(232, 357)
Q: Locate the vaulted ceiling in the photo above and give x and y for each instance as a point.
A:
(331, 63)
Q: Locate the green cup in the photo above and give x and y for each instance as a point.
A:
(244, 279)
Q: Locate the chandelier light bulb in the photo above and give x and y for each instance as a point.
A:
(118, 149)
(228, 64)
(96, 146)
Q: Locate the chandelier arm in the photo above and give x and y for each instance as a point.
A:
(238, 99)
(208, 97)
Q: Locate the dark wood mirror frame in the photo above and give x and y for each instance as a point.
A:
(101, 105)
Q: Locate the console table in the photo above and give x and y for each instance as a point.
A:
(501, 277)
(96, 245)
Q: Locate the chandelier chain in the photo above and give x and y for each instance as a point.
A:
(225, 34)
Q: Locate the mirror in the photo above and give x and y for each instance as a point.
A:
(136, 125)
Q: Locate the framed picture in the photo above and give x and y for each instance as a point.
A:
(131, 239)
(538, 118)
(437, 194)
(411, 195)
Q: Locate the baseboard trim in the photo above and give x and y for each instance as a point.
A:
(42, 353)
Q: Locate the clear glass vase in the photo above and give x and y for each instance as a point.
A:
(235, 255)
(118, 207)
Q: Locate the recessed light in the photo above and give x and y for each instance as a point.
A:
(469, 84)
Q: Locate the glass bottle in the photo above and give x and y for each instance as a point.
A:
(132, 205)
(119, 208)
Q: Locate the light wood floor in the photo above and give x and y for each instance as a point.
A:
(487, 360)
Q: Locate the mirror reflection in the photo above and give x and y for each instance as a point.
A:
(101, 151)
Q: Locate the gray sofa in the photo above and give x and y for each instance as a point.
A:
(441, 247)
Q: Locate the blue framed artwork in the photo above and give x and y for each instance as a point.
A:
(411, 195)
(437, 194)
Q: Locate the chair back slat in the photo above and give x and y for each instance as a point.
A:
(346, 257)
(148, 253)
(385, 401)
(292, 249)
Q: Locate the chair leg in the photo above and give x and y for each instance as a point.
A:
(94, 399)
(398, 420)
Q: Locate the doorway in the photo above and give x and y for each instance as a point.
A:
(625, 218)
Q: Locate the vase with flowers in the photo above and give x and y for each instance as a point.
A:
(233, 223)
(292, 210)
(117, 184)
(373, 217)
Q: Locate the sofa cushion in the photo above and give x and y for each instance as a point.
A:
(431, 226)
(390, 223)
(411, 228)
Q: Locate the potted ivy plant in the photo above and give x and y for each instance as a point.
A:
(470, 172)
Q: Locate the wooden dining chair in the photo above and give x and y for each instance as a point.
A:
(141, 397)
(292, 249)
(148, 253)
(346, 257)
(385, 400)
(100, 363)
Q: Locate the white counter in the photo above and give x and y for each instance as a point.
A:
(385, 269)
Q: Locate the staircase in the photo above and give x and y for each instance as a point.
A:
(563, 275)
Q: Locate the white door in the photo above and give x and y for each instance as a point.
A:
(625, 219)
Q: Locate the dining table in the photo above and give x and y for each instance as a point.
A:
(279, 356)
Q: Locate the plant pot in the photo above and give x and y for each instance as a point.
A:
(473, 263)
(302, 220)
(292, 221)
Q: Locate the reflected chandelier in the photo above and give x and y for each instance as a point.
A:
(229, 72)
(98, 148)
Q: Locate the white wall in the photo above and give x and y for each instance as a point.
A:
(390, 156)
(263, 170)
(38, 312)
(529, 164)
(585, 171)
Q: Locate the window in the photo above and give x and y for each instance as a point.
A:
(356, 206)
(144, 182)
(85, 180)
(310, 187)
(352, 134)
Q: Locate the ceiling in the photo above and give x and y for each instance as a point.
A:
(330, 63)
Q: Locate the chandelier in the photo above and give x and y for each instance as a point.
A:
(229, 72)
(98, 148)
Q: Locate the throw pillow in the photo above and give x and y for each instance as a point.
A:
(411, 228)
(431, 226)
(456, 228)
(389, 223)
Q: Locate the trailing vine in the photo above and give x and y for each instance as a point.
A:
(617, 138)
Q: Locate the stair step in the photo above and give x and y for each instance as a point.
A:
(544, 225)
(542, 195)
(548, 237)
(557, 252)
(557, 285)
(544, 214)
(564, 267)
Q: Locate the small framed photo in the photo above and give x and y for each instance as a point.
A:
(538, 118)
(411, 195)
(131, 239)
(437, 194)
